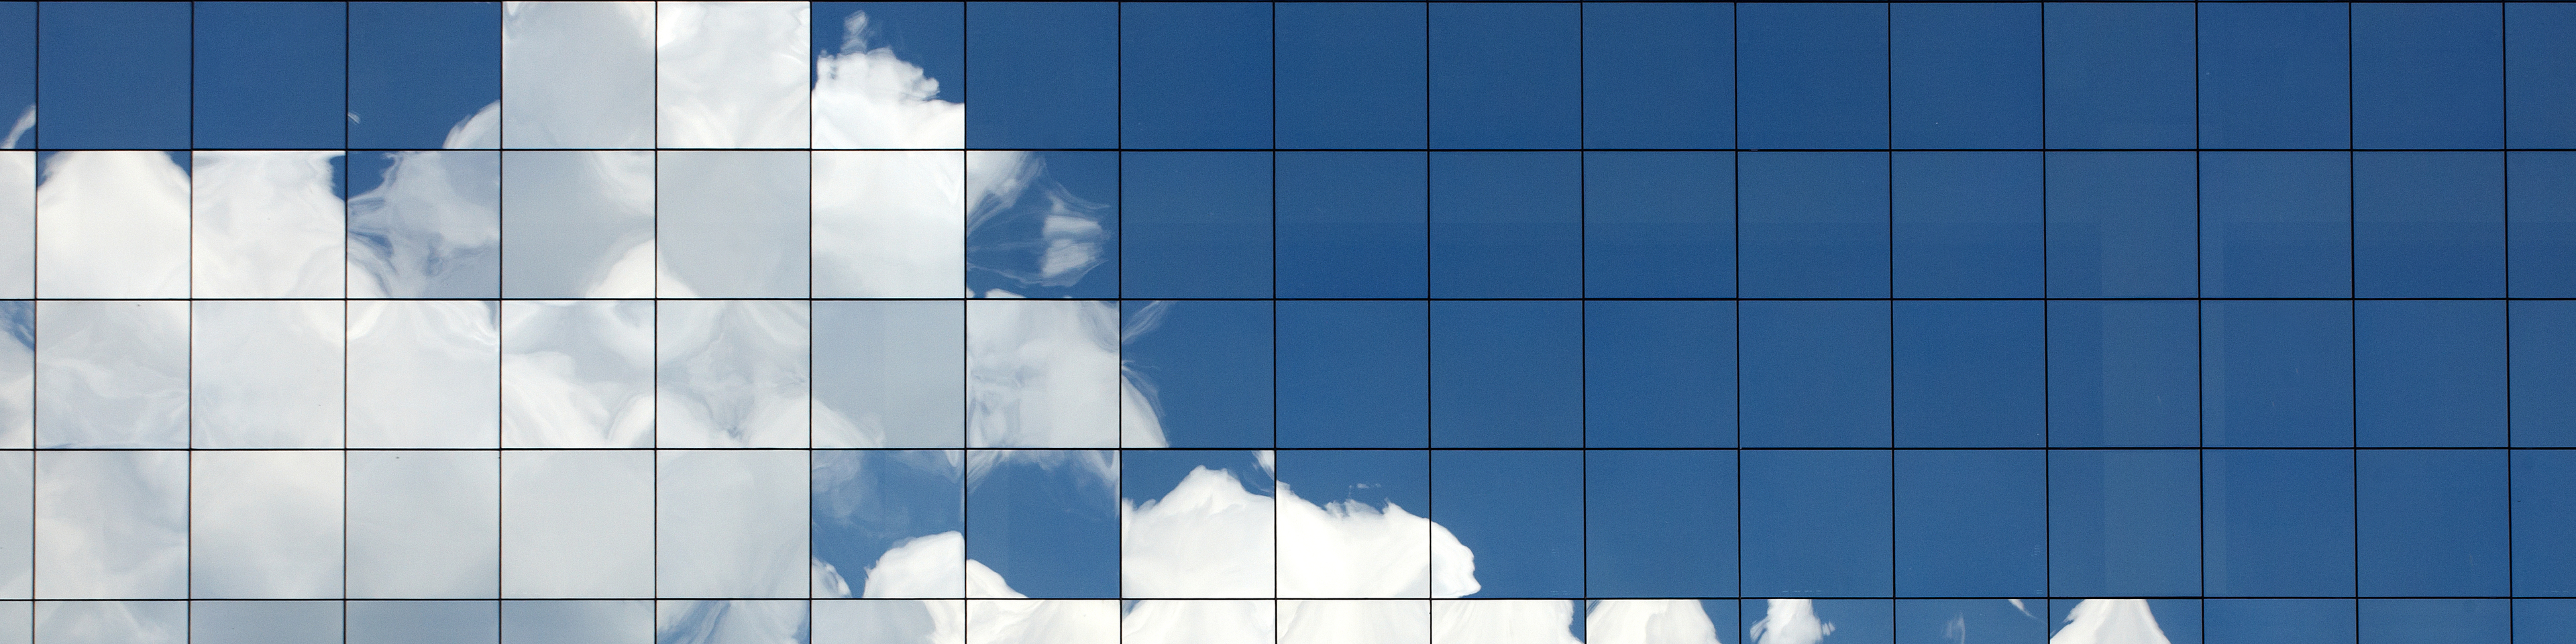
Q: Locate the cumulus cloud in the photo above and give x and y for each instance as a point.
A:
(265, 524)
(2110, 621)
(865, 97)
(1042, 621)
(889, 621)
(732, 373)
(112, 525)
(113, 374)
(889, 223)
(869, 502)
(1344, 621)
(1789, 621)
(732, 74)
(1649, 621)
(1200, 622)
(577, 74)
(431, 229)
(1504, 621)
(18, 224)
(112, 224)
(577, 374)
(1044, 373)
(1207, 537)
(1347, 549)
(424, 373)
(267, 374)
(267, 225)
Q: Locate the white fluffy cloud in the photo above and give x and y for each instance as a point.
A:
(1650, 621)
(432, 228)
(866, 98)
(577, 373)
(732, 373)
(112, 224)
(268, 225)
(732, 74)
(2110, 621)
(1045, 373)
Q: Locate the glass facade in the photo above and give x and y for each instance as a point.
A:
(1618, 322)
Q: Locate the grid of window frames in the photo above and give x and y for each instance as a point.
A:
(1402, 322)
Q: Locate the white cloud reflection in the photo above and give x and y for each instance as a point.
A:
(265, 524)
(577, 524)
(580, 224)
(732, 373)
(2110, 621)
(267, 374)
(732, 74)
(1649, 621)
(577, 373)
(731, 523)
(424, 524)
(17, 224)
(577, 74)
(17, 374)
(424, 373)
(111, 374)
(112, 224)
(268, 225)
(892, 223)
(112, 525)
(431, 229)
